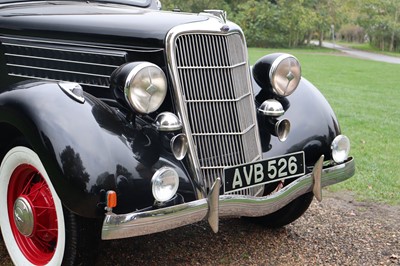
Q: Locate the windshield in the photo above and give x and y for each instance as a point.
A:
(141, 3)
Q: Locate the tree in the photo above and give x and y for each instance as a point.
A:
(194, 6)
(381, 19)
(290, 23)
(328, 15)
(297, 20)
(260, 22)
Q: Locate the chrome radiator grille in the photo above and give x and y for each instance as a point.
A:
(218, 104)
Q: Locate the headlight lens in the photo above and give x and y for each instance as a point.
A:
(340, 148)
(165, 184)
(146, 87)
(285, 74)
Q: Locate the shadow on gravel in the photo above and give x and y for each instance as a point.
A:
(337, 231)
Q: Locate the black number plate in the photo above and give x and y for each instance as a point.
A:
(262, 172)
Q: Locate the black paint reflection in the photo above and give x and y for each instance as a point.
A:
(73, 168)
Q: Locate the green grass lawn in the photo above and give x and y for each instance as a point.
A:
(366, 98)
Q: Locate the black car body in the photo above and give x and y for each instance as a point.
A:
(149, 120)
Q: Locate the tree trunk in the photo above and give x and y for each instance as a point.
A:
(321, 38)
(309, 37)
(391, 47)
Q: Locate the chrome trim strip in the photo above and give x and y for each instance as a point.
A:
(58, 70)
(54, 41)
(39, 78)
(105, 52)
(60, 60)
(219, 101)
(148, 222)
(212, 67)
(225, 133)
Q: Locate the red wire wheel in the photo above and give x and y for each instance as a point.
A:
(32, 214)
(33, 228)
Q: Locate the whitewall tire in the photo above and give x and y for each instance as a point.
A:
(32, 219)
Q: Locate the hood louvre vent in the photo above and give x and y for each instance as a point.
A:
(46, 61)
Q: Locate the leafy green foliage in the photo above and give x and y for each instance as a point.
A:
(195, 6)
(381, 19)
(293, 23)
(260, 21)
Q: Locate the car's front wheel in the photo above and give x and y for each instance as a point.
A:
(287, 214)
(36, 229)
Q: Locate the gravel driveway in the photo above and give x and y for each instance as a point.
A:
(337, 231)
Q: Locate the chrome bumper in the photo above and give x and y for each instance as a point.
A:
(215, 206)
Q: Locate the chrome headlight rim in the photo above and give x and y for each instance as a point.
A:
(130, 80)
(163, 192)
(273, 72)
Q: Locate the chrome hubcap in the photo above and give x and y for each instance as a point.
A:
(23, 216)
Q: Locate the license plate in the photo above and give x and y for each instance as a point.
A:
(262, 172)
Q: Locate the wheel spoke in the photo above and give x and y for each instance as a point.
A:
(36, 191)
(52, 232)
(42, 210)
(28, 185)
(44, 228)
(43, 245)
(45, 207)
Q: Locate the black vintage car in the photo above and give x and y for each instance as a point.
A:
(119, 120)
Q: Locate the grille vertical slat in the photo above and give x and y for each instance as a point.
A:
(218, 103)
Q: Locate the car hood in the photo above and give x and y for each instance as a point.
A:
(98, 22)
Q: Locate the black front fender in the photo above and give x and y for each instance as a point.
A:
(313, 124)
(87, 148)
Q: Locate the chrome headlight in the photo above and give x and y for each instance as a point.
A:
(145, 87)
(285, 74)
(279, 73)
(340, 148)
(165, 183)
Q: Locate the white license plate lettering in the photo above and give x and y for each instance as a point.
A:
(251, 174)
(282, 163)
(272, 171)
(244, 176)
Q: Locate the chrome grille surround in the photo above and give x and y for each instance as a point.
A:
(213, 91)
